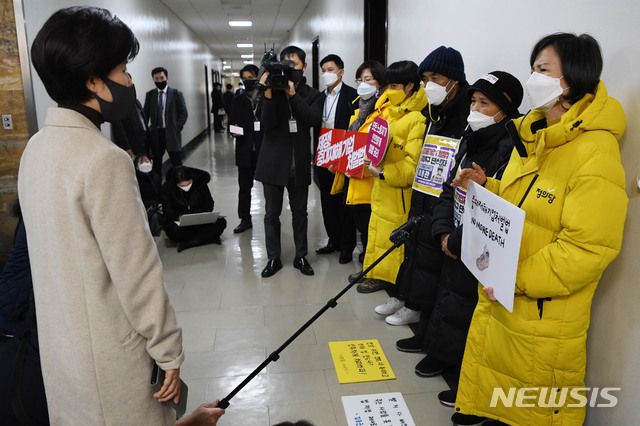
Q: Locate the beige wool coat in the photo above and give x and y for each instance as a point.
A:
(102, 309)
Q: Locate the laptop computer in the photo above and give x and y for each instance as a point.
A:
(199, 218)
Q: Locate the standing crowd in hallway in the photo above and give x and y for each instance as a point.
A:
(107, 306)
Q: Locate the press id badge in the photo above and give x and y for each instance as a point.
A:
(256, 126)
(293, 126)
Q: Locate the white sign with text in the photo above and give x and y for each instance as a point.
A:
(491, 236)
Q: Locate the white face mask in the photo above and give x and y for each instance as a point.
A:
(145, 167)
(478, 120)
(436, 94)
(328, 78)
(544, 91)
(186, 188)
(366, 90)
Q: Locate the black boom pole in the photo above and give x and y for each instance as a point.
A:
(398, 237)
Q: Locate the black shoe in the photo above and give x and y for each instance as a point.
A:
(303, 264)
(216, 240)
(361, 258)
(411, 344)
(329, 248)
(447, 398)
(429, 367)
(345, 258)
(460, 419)
(273, 266)
(244, 225)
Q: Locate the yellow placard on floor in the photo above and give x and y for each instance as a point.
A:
(360, 361)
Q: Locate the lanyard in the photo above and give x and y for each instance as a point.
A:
(326, 117)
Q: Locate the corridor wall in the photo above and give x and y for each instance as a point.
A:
(338, 24)
(164, 41)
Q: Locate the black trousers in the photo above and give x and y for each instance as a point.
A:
(217, 122)
(338, 220)
(273, 195)
(201, 233)
(245, 184)
(361, 214)
(158, 150)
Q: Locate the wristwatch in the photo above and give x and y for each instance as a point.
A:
(381, 175)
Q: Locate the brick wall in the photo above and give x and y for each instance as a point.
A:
(12, 142)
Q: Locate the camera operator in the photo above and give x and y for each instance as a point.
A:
(289, 111)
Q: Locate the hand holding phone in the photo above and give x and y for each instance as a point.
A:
(168, 387)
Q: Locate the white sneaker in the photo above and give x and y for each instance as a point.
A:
(390, 306)
(403, 316)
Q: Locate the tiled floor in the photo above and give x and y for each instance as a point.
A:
(233, 319)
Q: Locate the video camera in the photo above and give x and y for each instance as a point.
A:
(279, 71)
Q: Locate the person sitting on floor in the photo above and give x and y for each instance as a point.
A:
(185, 191)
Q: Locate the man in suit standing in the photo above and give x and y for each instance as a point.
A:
(285, 158)
(338, 221)
(167, 113)
(217, 104)
(245, 114)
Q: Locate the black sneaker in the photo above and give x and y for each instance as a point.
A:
(411, 344)
(429, 367)
(447, 398)
(460, 419)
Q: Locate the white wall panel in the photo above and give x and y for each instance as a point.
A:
(339, 24)
(164, 41)
(499, 34)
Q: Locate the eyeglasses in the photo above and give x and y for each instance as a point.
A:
(366, 80)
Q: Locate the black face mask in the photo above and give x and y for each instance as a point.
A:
(161, 84)
(296, 75)
(124, 99)
(249, 85)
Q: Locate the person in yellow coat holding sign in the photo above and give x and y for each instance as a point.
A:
(393, 177)
(566, 174)
(369, 79)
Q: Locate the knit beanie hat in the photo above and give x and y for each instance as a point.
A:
(502, 88)
(446, 61)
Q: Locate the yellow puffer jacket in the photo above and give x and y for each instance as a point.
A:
(573, 187)
(391, 197)
(359, 190)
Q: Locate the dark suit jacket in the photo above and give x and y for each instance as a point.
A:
(131, 133)
(247, 145)
(279, 146)
(344, 109)
(175, 112)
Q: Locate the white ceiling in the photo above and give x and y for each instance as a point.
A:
(209, 19)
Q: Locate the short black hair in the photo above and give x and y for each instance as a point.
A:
(156, 70)
(403, 72)
(217, 84)
(293, 50)
(181, 174)
(581, 60)
(333, 58)
(78, 43)
(250, 68)
(229, 86)
(376, 68)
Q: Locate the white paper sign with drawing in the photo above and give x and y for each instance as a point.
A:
(491, 236)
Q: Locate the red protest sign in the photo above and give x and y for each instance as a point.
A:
(378, 141)
(343, 150)
(329, 151)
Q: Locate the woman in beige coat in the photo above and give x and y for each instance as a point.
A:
(103, 313)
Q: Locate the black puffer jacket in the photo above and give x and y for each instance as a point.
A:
(420, 271)
(15, 282)
(176, 202)
(457, 293)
